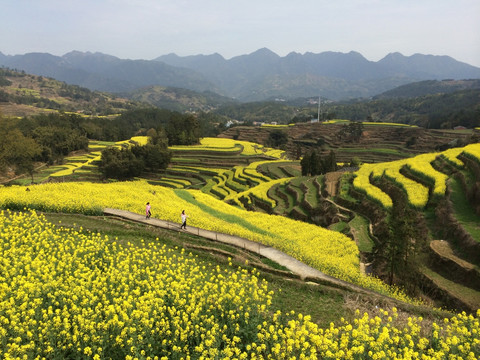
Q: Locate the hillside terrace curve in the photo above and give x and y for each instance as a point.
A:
(303, 271)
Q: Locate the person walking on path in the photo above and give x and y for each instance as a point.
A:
(148, 213)
(184, 220)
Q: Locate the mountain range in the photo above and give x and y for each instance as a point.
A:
(257, 76)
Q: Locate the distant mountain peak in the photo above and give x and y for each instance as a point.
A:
(264, 52)
(259, 75)
(88, 54)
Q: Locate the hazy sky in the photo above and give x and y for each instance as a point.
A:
(146, 29)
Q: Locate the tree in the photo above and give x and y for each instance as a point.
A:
(330, 163)
(17, 151)
(60, 140)
(352, 131)
(277, 138)
(313, 164)
(127, 163)
(305, 164)
(403, 237)
(183, 130)
(355, 162)
(120, 164)
(155, 157)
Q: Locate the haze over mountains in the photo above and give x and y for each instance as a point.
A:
(257, 76)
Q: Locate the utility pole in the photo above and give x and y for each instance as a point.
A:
(318, 109)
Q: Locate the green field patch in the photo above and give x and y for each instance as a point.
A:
(345, 186)
(94, 144)
(27, 92)
(359, 226)
(375, 150)
(291, 171)
(466, 294)
(463, 210)
(276, 169)
(312, 195)
(185, 160)
(340, 226)
(281, 205)
(293, 187)
(289, 198)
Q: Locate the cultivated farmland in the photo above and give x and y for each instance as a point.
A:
(92, 296)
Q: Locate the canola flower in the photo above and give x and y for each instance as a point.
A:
(76, 163)
(387, 124)
(335, 121)
(472, 151)
(279, 126)
(329, 251)
(260, 192)
(174, 183)
(95, 144)
(66, 293)
(135, 140)
(362, 183)
(417, 193)
(420, 165)
(79, 163)
(229, 145)
(451, 155)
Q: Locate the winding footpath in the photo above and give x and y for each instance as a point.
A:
(303, 271)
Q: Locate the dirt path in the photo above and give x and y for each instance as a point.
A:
(8, 179)
(331, 182)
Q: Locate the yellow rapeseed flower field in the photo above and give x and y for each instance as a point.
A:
(70, 294)
(230, 145)
(421, 166)
(328, 251)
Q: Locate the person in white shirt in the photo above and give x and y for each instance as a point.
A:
(184, 220)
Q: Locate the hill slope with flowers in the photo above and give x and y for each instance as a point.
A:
(61, 287)
(235, 176)
(68, 294)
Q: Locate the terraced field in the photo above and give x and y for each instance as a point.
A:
(252, 177)
(444, 188)
(379, 142)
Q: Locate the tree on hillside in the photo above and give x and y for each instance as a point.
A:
(211, 124)
(156, 155)
(58, 142)
(313, 164)
(403, 238)
(17, 151)
(351, 132)
(157, 136)
(120, 164)
(277, 138)
(127, 163)
(183, 130)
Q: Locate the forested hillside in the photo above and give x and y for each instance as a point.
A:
(23, 94)
(434, 111)
(429, 87)
(29, 142)
(178, 99)
(442, 110)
